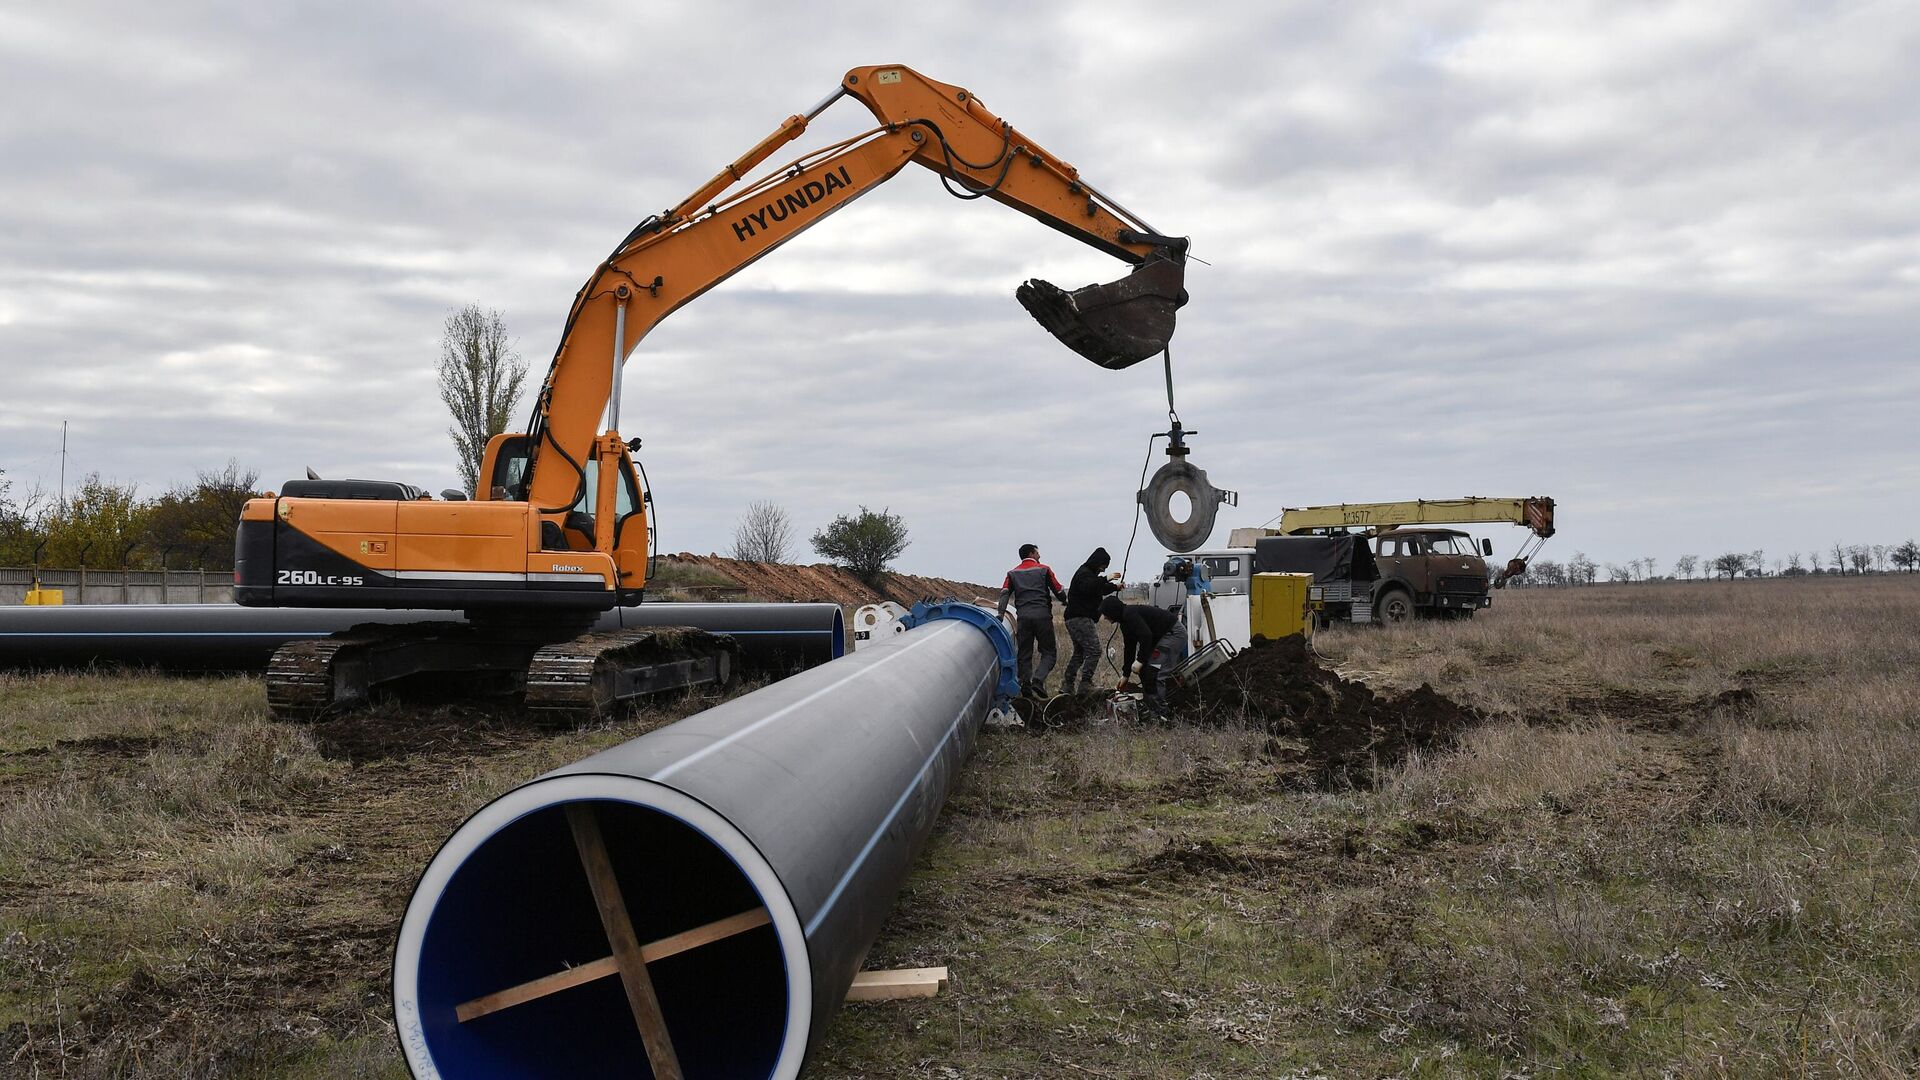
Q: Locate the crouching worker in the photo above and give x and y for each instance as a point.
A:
(1032, 588)
(1090, 585)
(1142, 629)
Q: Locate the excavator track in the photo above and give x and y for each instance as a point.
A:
(301, 685)
(591, 676)
(307, 680)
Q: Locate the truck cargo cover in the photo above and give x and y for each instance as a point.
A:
(1327, 558)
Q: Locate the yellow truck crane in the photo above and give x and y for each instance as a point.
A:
(1420, 566)
(558, 530)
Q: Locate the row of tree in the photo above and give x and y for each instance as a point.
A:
(865, 543)
(104, 525)
(1839, 559)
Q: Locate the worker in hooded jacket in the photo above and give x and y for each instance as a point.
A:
(1090, 585)
(1033, 588)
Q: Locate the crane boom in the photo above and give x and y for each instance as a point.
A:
(1536, 513)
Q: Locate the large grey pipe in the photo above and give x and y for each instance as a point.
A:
(810, 798)
(773, 638)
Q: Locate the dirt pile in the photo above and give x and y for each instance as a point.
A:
(1341, 731)
(821, 582)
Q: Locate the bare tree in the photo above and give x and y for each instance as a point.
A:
(1880, 553)
(1860, 557)
(1729, 564)
(1685, 565)
(1839, 552)
(480, 379)
(765, 534)
(1759, 563)
(1580, 569)
(1794, 565)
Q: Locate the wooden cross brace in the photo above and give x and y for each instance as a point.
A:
(630, 958)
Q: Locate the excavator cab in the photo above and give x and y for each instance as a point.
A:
(581, 526)
(1121, 323)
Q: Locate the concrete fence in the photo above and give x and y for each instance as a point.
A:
(121, 586)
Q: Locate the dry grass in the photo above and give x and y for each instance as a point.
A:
(1685, 844)
(187, 889)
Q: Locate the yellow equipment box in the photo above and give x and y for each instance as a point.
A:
(46, 596)
(1279, 606)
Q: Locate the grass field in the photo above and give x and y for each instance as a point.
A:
(1684, 842)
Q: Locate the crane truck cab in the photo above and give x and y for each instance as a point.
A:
(1440, 572)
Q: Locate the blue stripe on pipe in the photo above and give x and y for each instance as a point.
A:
(898, 804)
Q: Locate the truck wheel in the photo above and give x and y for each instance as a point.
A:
(1394, 606)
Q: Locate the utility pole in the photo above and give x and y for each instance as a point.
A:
(63, 463)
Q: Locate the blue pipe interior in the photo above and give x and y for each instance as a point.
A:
(520, 908)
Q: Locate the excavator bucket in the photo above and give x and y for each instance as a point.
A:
(1116, 325)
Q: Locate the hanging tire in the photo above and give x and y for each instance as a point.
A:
(1394, 606)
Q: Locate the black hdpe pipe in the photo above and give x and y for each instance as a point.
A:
(773, 638)
(809, 798)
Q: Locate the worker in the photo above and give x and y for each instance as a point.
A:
(1143, 630)
(1090, 585)
(1033, 588)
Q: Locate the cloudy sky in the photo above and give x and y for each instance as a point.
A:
(1660, 262)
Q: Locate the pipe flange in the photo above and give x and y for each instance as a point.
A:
(1008, 685)
(1182, 477)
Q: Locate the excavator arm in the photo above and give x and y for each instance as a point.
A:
(731, 221)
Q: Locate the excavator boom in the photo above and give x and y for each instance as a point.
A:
(731, 221)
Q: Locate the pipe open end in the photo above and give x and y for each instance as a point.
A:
(507, 963)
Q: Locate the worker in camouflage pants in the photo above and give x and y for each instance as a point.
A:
(1090, 585)
(1033, 588)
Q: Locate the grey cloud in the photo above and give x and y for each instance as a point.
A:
(1657, 262)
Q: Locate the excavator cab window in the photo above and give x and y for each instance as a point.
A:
(509, 480)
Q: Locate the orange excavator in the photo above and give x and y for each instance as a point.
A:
(557, 532)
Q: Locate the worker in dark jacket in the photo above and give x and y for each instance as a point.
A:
(1090, 585)
(1142, 628)
(1033, 588)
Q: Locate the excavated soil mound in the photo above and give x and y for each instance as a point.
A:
(823, 582)
(1341, 731)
